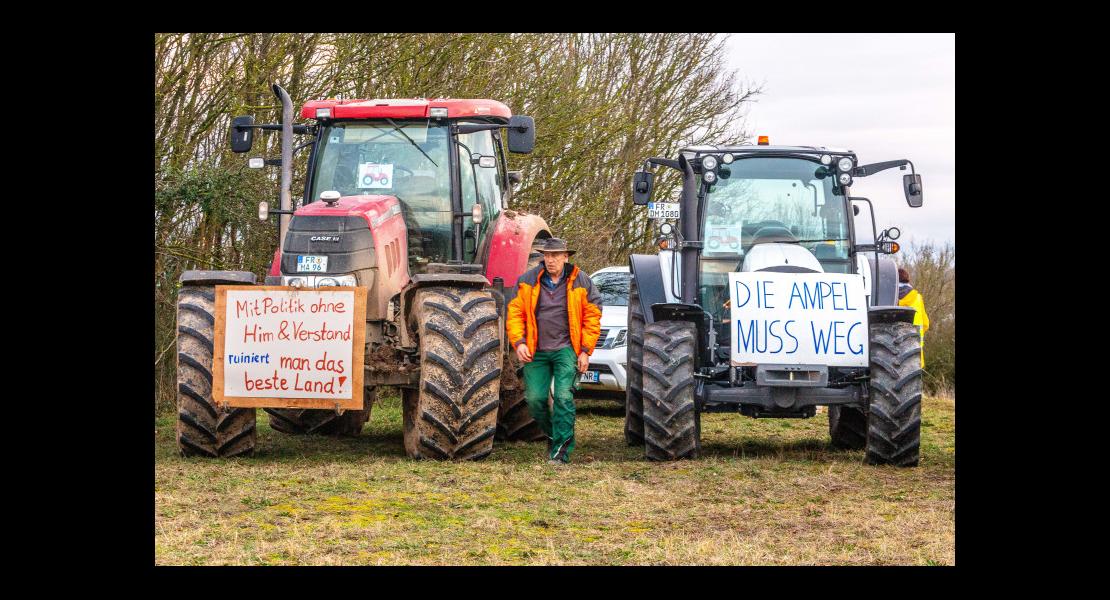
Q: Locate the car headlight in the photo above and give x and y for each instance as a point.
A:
(621, 339)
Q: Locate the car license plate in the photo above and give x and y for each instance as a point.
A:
(312, 264)
(662, 210)
(590, 377)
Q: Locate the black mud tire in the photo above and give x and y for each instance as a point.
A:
(634, 376)
(308, 421)
(203, 428)
(453, 413)
(514, 421)
(894, 413)
(672, 423)
(847, 427)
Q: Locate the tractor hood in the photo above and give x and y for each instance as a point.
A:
(373, 208)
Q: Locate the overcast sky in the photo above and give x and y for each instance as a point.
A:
(885, 96)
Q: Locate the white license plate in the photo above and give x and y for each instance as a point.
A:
(590, 377)
(662, 210)
(312, 264)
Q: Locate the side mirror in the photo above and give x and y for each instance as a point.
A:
(515, 177)
(241, 134)
(912, 183)
(642, 182)
(522, 134)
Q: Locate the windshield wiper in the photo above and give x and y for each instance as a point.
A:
(417, 146)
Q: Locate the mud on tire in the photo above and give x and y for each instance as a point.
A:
(633, 393)
(204, 429)
(894, 414)
(308, 421)
(847, 427)
(453, 414)
(672, 424)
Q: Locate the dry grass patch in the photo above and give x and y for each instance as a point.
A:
(765, 492)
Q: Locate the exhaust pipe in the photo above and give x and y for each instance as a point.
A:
(286, 162)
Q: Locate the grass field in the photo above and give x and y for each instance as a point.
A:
(765, 492)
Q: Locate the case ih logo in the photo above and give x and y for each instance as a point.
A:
(325, 238)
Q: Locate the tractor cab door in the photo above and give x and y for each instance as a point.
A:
(482, 179)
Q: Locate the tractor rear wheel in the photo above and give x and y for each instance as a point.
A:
(203, 428)
(514, 421)
(847, 427)
(633, 392)
(672, 423)
(453, 414)
(894, 414)
(302, 421)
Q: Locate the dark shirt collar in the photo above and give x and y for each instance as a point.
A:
(545, 279)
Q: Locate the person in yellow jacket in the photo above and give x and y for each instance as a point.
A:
(907, 296)
(553, 324)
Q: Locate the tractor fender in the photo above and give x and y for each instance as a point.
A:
(218, 278)
(890, 314)
(505, 250)
(647, 269)
(884, 290)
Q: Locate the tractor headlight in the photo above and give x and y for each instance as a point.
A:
(709, 163)
(826, 159)
(710, 177)
(326, 282)
(621, 339)
(845, 179)
(727, 158)
(844, 164)
(293, 281)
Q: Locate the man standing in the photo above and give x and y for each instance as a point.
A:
(553, 323)
(907, 296)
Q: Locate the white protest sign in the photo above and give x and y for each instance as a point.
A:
(284, 346)
(798, 318)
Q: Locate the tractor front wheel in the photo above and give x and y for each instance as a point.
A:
(672, 423)
(894, 414)
(453, 414)
(203, 428)
(847, 427)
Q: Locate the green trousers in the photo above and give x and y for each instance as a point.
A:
(561, 364)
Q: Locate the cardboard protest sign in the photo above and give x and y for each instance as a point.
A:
(281, 346)
(798, 318)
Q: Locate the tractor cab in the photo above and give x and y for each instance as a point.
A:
(438, 165)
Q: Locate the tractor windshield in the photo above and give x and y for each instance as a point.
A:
(787, 200)
(406, 159)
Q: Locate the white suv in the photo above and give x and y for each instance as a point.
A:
(605, 376)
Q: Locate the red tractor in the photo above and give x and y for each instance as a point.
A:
(409, 199)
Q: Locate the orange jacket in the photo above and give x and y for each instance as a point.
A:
(583, 311)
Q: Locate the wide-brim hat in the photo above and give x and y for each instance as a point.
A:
(557, 245)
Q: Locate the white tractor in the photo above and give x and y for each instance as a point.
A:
(763, 303)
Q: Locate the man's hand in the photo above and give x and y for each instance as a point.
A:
(583, 362)
(522, 352)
